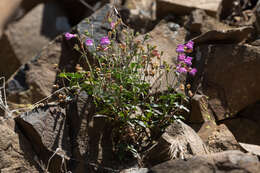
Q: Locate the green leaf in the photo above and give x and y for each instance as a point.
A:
(63, 75)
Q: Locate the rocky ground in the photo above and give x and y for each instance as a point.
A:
(220, 134)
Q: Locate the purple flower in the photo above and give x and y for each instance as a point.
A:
(104, 41)
(69, 36)
(188, 60)
(181, 70)
(181, 57)
(180, 48)
(190, 44)
(193, 71)
(89, 42)
(112, 25)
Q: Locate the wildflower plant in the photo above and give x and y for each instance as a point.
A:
(116, 78)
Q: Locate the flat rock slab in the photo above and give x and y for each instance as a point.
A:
(186, 6)
(235, 35)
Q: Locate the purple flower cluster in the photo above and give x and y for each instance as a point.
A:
(104, 41)
(185, 62)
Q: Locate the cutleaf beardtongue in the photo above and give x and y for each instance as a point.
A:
(185, 62)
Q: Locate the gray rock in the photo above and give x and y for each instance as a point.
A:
(224, 162)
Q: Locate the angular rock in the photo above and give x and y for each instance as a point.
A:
(25, 38)
(218, 137)
(245, 126)
(230, 77)
(235, 35)
(184, 7)
(224, 162)
(16, 153)
(179, 141)
(47, 129)
(199, 110)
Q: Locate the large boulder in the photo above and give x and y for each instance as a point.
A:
(23, 39)
(224, 162)
(230, 76)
